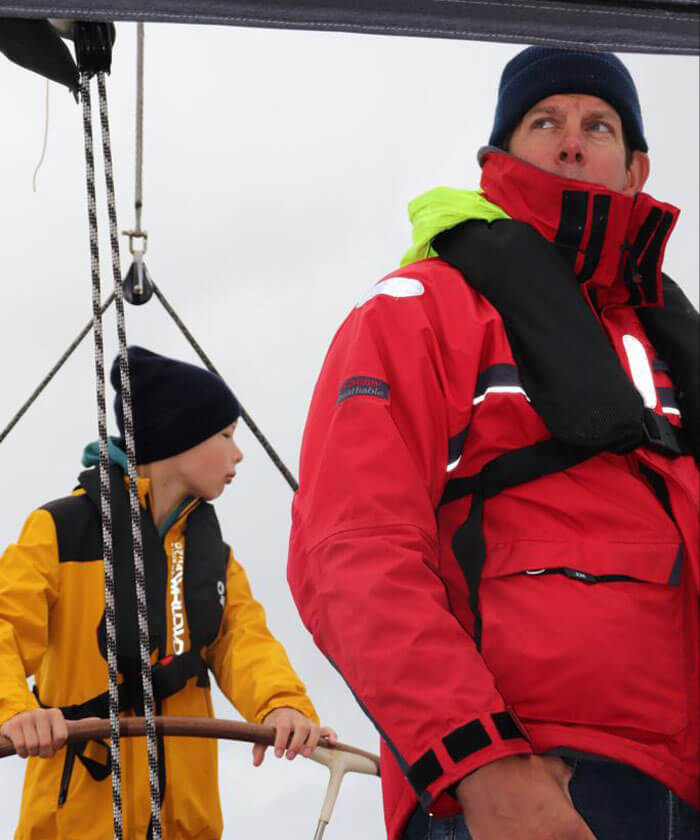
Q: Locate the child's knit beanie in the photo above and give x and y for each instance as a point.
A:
(176, 405)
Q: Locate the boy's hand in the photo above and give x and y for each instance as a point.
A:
(39, 732)
(305, 735)
(521, 798)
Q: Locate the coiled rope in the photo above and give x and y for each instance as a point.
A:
(105, 490)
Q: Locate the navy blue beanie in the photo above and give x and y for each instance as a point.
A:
(539, 72)
(176, 405)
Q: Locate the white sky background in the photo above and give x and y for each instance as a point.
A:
(278, 169)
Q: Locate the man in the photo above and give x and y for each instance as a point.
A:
(496, 536)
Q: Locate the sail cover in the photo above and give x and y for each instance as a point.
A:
(619, 25)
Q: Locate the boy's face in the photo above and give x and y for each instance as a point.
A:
(208, 467)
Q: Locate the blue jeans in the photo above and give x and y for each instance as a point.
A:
(616, 801)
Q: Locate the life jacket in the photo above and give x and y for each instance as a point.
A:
(552, 330)
(79, 536)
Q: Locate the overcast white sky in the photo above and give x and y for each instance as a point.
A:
(278, 169)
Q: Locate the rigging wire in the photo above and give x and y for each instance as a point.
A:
(138, 284)
(138, 190)
(247, 419)
(54, 370)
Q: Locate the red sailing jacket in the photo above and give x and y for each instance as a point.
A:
(420, 386)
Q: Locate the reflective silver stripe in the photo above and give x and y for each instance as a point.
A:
(640, 369)
(498, 379)
(667, 398)
(500, 389)
(455, 445)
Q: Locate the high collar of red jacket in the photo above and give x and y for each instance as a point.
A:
(615, 243)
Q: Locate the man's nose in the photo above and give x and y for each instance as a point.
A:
(572, 150)
(238, 456)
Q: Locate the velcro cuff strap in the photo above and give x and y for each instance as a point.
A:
(506, 727)
(466, 740)
(424, 772)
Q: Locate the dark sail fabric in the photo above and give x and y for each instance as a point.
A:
(638, 26)
(34, 44)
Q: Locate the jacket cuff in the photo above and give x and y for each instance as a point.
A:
(10, 709)
(294, 701)
(460, 752)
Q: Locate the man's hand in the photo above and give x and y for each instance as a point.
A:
(305, 735)
(39, 732)
(521, 797)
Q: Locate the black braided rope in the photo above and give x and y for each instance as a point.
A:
(141, 605)
(105, 493)
(247, 419)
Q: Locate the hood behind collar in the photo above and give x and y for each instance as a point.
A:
(91, 458)
(91, 454)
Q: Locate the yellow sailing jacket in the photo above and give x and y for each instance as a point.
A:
(51, 609)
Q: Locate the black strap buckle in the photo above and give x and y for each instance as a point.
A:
(660, 435)
(172, 673)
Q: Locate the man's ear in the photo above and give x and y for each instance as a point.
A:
(637, 172)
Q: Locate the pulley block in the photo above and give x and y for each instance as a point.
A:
(137, 285)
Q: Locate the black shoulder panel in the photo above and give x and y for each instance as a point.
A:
(78, 529)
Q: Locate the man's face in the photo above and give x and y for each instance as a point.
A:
(579, 136)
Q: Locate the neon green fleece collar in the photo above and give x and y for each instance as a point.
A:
(440, 209)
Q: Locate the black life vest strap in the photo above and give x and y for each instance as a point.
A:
(518, 467)
(549, 456)
(508, 470)
(99, 771)
(169, 676)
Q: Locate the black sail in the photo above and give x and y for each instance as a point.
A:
(644, 26)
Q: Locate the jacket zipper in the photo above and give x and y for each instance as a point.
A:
(577, 574)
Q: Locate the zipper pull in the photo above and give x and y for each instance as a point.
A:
(577, 574)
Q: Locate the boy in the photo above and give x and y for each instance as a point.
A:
(202, 616)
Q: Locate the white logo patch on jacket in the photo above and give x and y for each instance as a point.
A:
(397, 287)
(177, 569)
